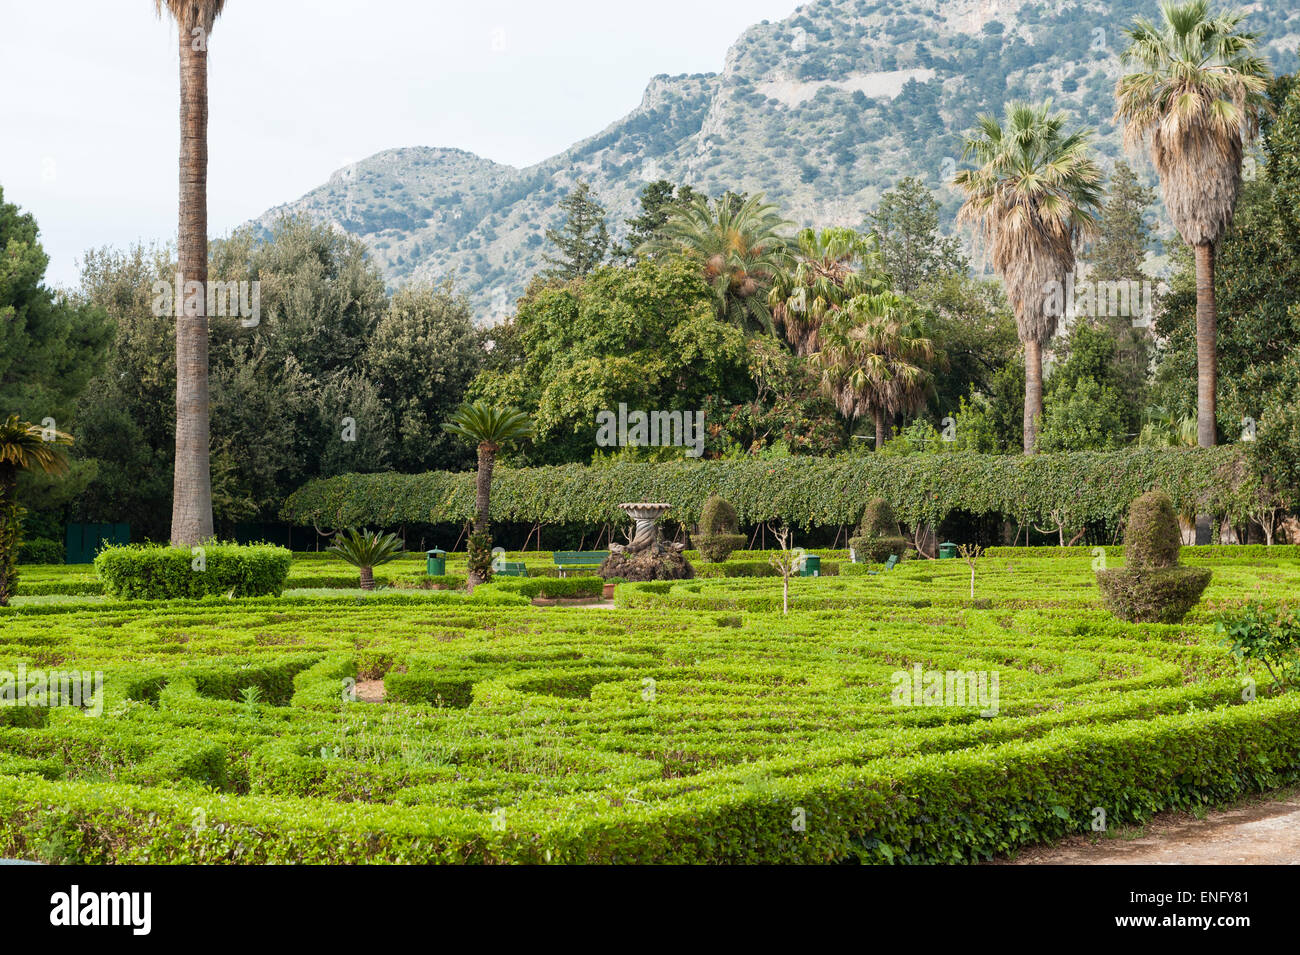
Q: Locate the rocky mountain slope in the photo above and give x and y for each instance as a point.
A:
(821, 111)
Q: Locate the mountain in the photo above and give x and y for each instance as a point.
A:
(822, 112)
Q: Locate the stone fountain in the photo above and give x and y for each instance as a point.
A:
(645, 530)
(646, 556)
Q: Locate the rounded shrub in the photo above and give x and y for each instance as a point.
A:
(717, 536)
(160, 572)
(1152, 587)
(877, 536)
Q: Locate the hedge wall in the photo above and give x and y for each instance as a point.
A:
(802, 491)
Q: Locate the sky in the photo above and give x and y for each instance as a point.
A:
(89, 96)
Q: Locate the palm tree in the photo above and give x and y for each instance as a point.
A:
(875, 359)
(489, 428)
(366, 550)
(23, 447)
(1196, 98)
(831, 267)
(741, 249)
(1036, 191)
(192, 475)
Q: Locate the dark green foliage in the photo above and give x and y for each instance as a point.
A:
(803, 491)
(41, 552)
(582, 243)
(718, 517)
(1153, 595)
(717, 536)
(718, 547)
(878, 536)
(1152, 537)
(153, 572)
(1152, 588)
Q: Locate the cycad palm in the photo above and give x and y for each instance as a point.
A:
(831, 268)
(489, 428)
(1036, 191)
(1196, 99)
(366, 550)
(23, 447)
(741, 248)
(192, 473)
(875, 359)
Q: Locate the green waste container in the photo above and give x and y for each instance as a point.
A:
(947, 550)
(812, 566)
(435, 563)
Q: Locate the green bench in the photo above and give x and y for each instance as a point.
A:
(889, 565)
(570, 559)
(511, 568)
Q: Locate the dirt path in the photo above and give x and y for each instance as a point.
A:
(1260, 831)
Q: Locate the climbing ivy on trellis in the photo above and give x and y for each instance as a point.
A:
(1079, 488)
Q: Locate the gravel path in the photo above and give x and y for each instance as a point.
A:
(1262, 831)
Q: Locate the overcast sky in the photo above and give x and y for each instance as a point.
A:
(89, 95)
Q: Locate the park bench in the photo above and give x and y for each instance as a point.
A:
(569, 559)
(889, 564)
(512, 568)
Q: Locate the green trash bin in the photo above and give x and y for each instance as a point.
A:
(435, 563)
(947, 550)
(812, 566)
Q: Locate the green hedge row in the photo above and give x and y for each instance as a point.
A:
(551, 587)
(153, 572)
(1084, 487)
(948, 807)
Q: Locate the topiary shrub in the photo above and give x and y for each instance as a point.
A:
(159, 572)
(877, 536)
(717, 536)
(1152, 537)
(1152, 587)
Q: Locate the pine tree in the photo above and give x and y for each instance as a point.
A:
(907, 221)
(658, 199)
(583, 242)
(1119, 251)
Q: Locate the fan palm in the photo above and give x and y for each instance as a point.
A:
(875, 359)
(1196, 98)
(23, 447)
(192, 474)
(741, 248)
(366, 550)
(1036, 191)
(831, 267)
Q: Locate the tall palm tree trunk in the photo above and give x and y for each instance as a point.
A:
(1033, 393)
(1207, 366)
(880, 428)
(483, 486)
(192, 477)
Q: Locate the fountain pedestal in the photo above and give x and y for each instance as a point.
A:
(646, 556)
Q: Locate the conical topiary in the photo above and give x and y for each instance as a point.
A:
(718, 536)
(1152, 587)
(877, 536)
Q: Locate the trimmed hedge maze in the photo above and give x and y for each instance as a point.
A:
(690, 723)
